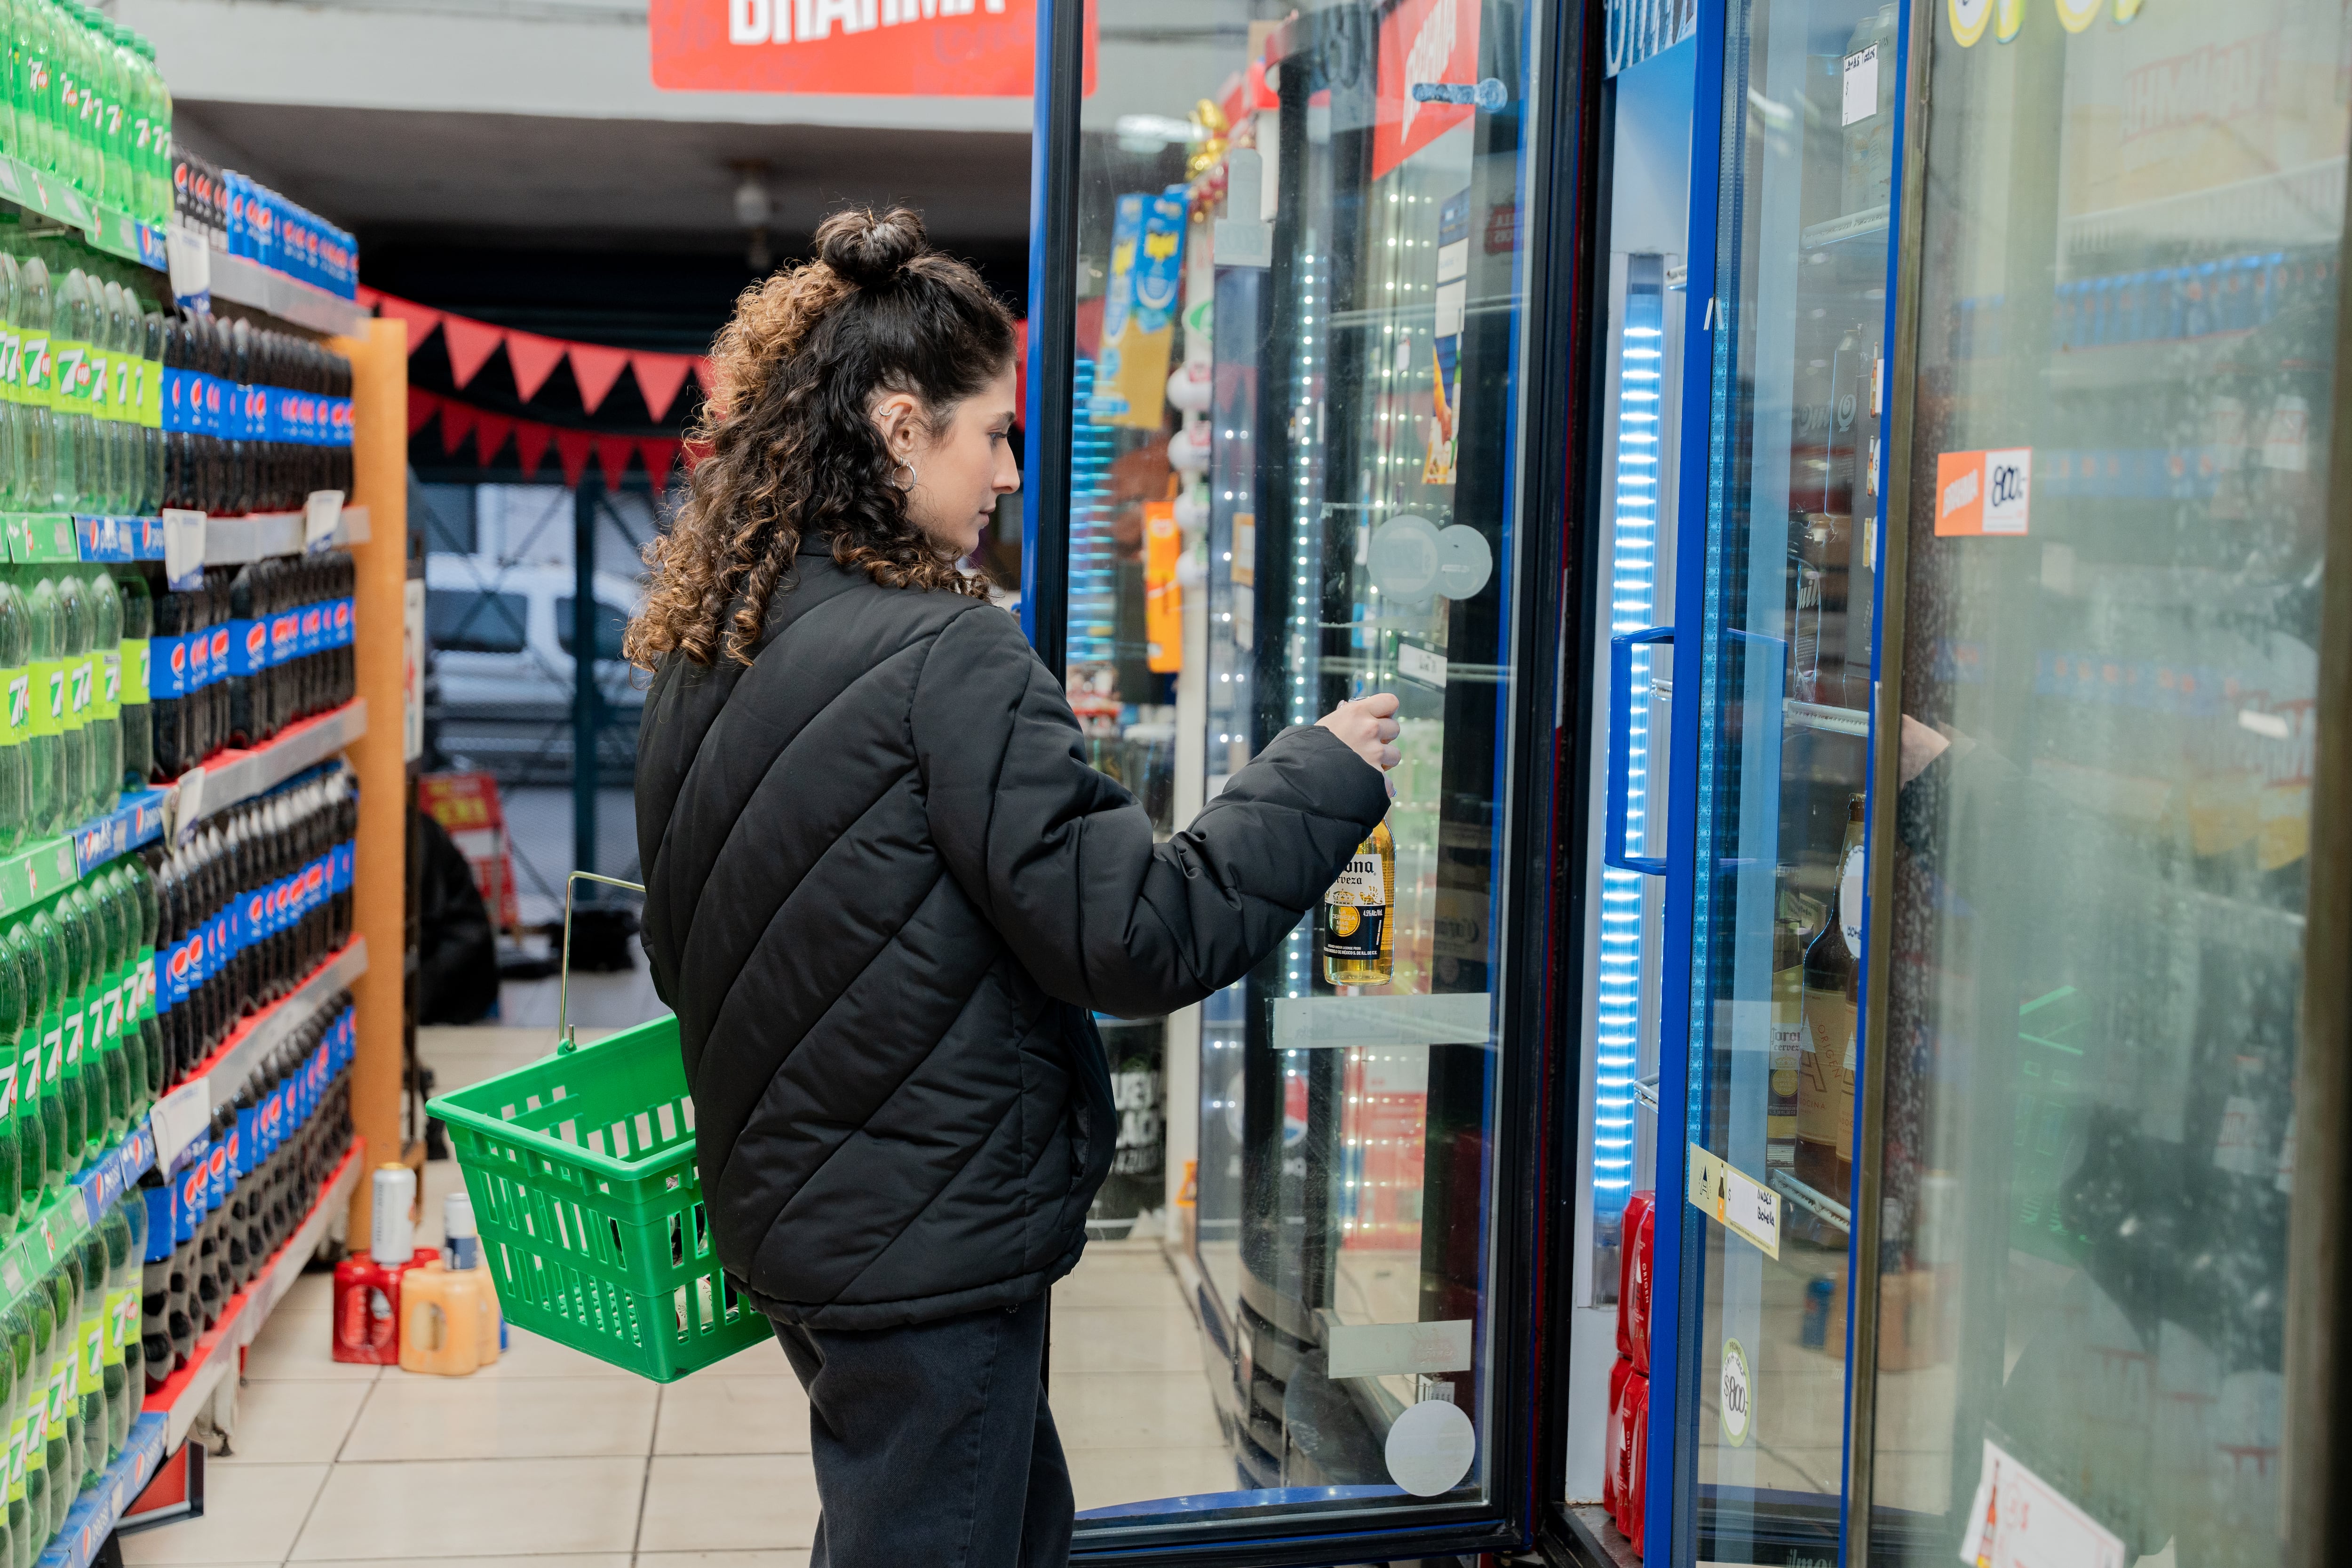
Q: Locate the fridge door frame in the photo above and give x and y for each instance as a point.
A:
(1539, 914)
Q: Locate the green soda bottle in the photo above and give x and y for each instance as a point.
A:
(12, 344)
(109, 373)
(36, 383)
(147, 910)
(151, 418)
(122, 1009)
(22, 959)
(65, 1411)
(105, 608)
(78, 906)
(37, 1395)
(90, 1356)
(15, 718)
(45, 744)
(12, 1145)
(73, 651)
(105, 1042)
(69, 325)
(73, 1084)
(16, 1352)
(54, 983)
(122, 1280)
(37, 120)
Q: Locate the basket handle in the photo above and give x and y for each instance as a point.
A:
(564, 1043)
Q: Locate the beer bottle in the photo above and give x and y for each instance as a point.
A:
(1358, 932)
(1826, 1084)
(1792, 922)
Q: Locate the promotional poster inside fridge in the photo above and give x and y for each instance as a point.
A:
(1287, 449)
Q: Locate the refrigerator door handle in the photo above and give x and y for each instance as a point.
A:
(1621, 724)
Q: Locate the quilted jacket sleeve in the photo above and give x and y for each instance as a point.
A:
(1060, 858)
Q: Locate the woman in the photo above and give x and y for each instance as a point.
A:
(885, 893)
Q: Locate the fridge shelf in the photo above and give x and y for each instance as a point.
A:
(1822, 716)
(1816, 1203)
(1852, 226)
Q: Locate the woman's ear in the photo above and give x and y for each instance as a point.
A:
(897, 417)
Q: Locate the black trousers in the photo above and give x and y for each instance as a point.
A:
(933, 1445)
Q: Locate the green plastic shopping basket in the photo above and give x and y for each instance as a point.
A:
(581, 1171)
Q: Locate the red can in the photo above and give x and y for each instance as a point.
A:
(1636, 1256)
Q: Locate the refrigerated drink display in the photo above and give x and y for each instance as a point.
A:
(2114, 451)
(1298, 315)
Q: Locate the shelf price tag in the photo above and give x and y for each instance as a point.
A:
(1741, 1205)
(321, 510)
(2020, 1521)
(184, 548)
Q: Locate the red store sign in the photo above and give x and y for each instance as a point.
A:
(934, 48)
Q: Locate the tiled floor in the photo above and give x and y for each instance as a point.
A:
(553, 1459)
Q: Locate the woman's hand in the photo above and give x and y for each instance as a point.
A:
(1367, 724)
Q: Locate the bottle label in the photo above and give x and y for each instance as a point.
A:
(11, 366)
(1355, 910)
(1850, 897)
(119, 1004)
(110, 682)
(122, 1323)
(53, 1048)
(81, 673)
(96, 400)
(69, 375)
(35, 373)
(131, 660)
(15, 705)
(17, 1458)
(72, 1028)
(151, 397)
(61, 1392)
(48, 697)
(94, 1017)
(93, 1354)
(147, 984)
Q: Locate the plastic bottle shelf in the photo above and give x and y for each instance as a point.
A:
(228, 540)
(217, 1355)
(100, 1508)
(232, 776)
(105, 228)
(243, 282)
(219, 1076)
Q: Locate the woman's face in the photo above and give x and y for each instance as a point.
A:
(956, 476)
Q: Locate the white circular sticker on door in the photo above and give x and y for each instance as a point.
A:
(1405, 558)
(1465, 561)
(1430, 1446)
(1735, 1395)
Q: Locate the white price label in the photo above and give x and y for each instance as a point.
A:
(1861, 99)
(177, 1118)
(184, 548)
(321, 511)
(1738, 1202)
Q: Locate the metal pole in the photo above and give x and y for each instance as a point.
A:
(583, 674)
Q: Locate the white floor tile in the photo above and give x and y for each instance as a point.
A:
(1125, 1339)
(286, 1423)
(1102, 1477)
(733, 1416)
(411, 1416)
(300, 1346)
(416, 1512)
(528, 1355)
(735, 1502)
(252, 1514)
(721, 1560)
(1134, 1410)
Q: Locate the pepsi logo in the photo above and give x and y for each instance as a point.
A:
(256, 641)
(220, 643)
(179, 657)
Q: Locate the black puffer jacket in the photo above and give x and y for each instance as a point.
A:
(883, 889)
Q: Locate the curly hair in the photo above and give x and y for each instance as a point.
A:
(792, 450)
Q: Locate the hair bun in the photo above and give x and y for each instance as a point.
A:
(868, 248)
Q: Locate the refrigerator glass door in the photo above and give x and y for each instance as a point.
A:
(2128, 277)
(1774, 651)
(1294, 479)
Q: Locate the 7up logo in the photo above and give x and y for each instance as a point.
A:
(20, 700)
(57, 693)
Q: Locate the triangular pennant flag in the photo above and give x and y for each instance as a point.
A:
(660, 377)
(703, 374)
(421, 318)
(573, 449)
(422, 406)
(490, 432)
(456, 422)
(530, 444)
(658, 456)
(470, 343)
(532, 359)
(596, 370)
(613, 454)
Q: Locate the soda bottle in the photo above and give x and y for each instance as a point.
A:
(131, 1329)
(15, 716)
(37, 373)
(45, 736)
(12, 1041)
(148, 907)
(114, 1234)
(17, 949)
(32, 1390)
(89, 1387)
(65, 1285)
(60, 1151)
(78, 1090)
(112, 368)
(151, 414)
(13, 489)
(106, 661)
(73, 655)
(107, 1102)
(126, 1058)
(69, 345)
